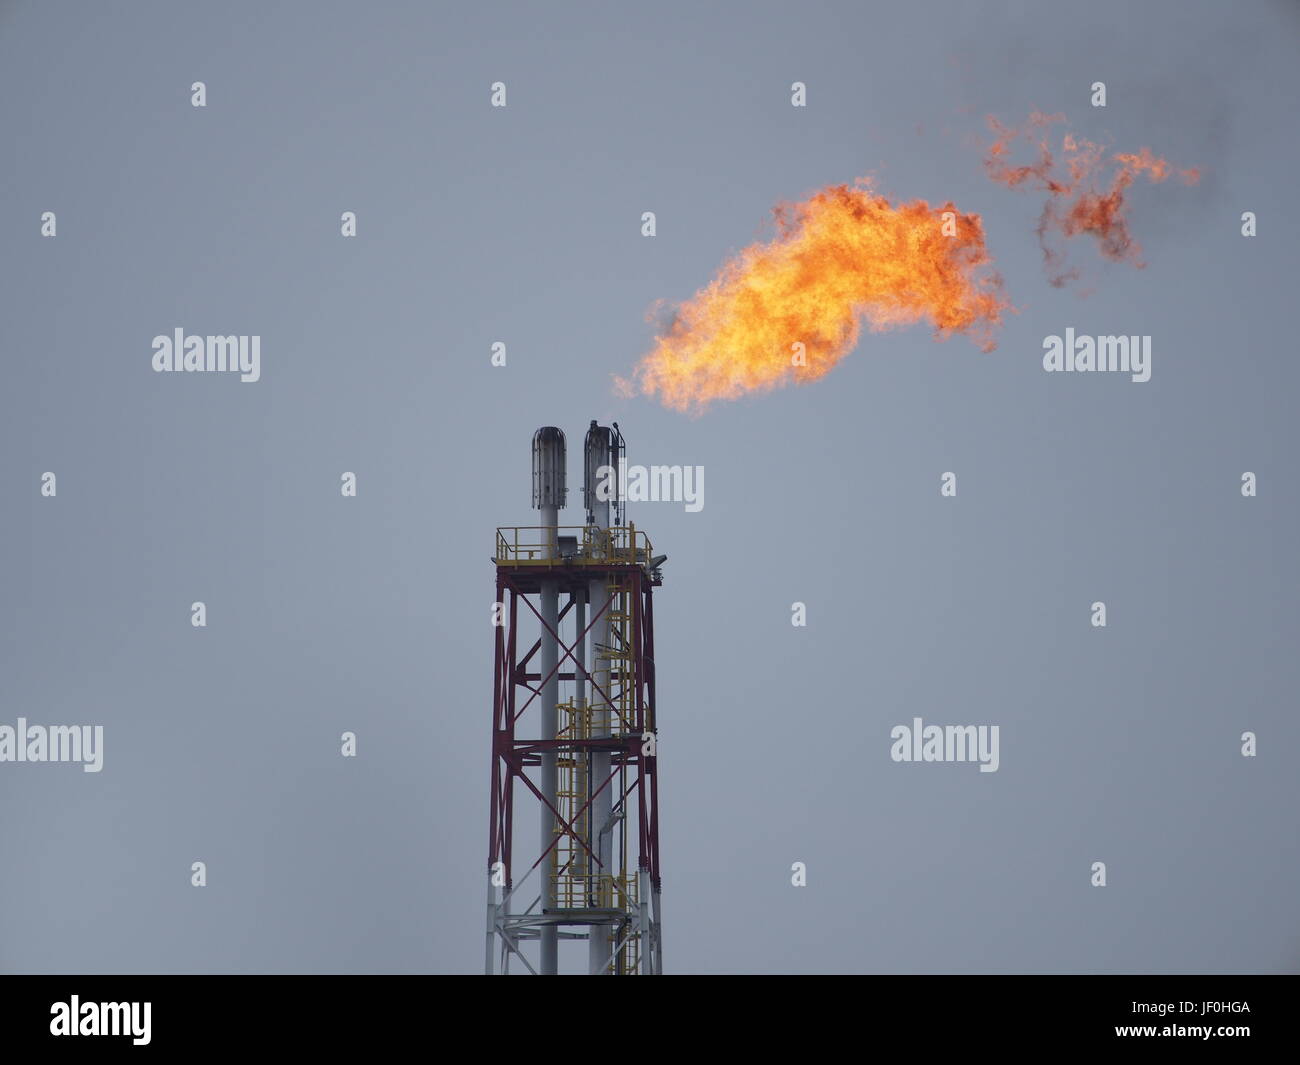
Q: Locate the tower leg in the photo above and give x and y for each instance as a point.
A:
(550, 603)
(491, 926)
(599, 945)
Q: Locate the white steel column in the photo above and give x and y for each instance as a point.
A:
(550, 597)
(548, 497)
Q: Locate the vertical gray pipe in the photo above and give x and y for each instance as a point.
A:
(548, 497)
(599, 457)
(550, 728)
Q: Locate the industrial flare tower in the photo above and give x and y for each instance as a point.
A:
(573, 728)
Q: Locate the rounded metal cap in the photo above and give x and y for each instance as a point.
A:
(549, 465)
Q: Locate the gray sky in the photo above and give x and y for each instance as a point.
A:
(522, 225)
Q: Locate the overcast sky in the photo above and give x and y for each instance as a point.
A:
(523, 225)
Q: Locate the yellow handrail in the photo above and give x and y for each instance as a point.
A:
(532, 545)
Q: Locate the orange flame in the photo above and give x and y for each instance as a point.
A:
(840, 257)
(1075, 203)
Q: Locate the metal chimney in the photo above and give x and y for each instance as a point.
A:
(550, 462)
(603, 452)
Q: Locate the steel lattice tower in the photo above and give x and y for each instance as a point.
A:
(586, 763)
